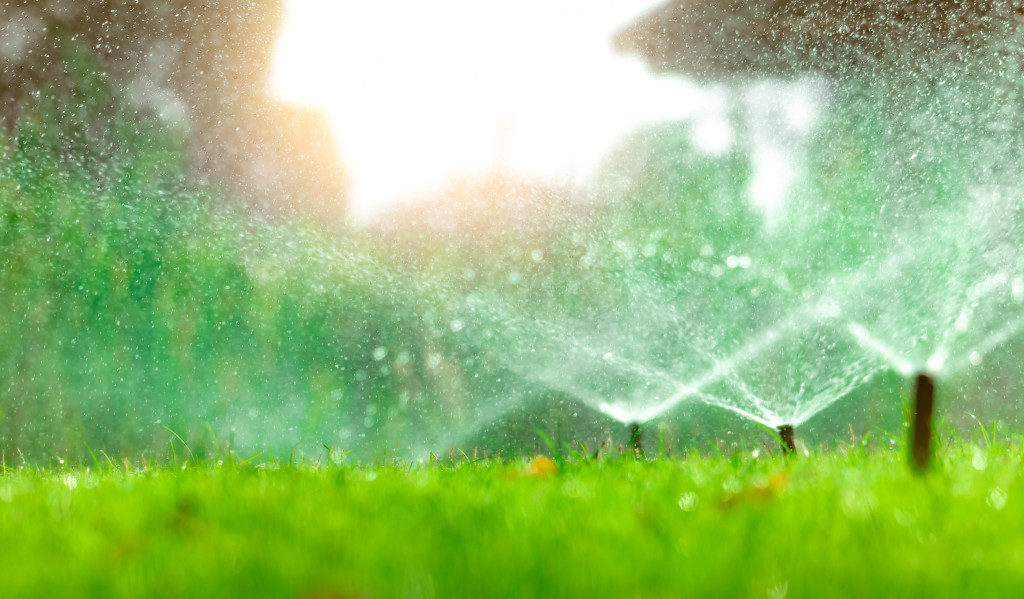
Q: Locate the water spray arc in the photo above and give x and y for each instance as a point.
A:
(926, 282)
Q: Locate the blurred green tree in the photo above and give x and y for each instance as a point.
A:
(200, 67)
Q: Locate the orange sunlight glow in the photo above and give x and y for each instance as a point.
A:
(422, 91)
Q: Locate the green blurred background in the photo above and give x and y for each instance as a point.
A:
(148, 293)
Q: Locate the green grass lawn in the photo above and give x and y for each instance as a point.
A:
(836, 524)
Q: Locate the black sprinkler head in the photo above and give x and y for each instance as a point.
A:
(788, 438)
(636, 438)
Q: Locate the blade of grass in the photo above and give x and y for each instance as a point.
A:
(178, 437)
(555, 453)
(93, 456)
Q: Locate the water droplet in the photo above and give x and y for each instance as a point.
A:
(996, 498)
(457, 325)
(688, 501)
(778, 590)
(979, 461)
(858, 504)
(380, 353)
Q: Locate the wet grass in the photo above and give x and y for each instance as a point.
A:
(845, 523)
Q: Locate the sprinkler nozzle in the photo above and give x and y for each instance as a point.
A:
(636, 438)
(788, 439)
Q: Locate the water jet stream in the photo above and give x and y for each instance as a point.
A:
(721, 369)
(986, 345)
(937, 361)
(738, 410)
(803, 403)
(884, 351)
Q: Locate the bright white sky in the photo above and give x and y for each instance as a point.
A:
(419, 91)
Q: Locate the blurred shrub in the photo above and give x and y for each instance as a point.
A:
(132, 299)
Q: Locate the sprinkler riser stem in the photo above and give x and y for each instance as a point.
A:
(921, 427)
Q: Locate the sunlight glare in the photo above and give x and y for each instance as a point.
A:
(418, 92)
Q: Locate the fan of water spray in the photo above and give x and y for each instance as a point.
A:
(802, 375)
(898, 247)
(943, 286)
(626, 361)
(652, 352)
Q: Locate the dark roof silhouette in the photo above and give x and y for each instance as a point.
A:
(713, 40)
